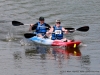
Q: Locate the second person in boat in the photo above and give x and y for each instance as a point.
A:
(57, 32)
(40, 27)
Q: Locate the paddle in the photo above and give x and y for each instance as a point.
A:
(83, 29)
(29, 35)
(17, 23)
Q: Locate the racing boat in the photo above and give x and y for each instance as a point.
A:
(47, 41)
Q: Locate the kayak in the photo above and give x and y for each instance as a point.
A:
(47, 41)
(33, 37)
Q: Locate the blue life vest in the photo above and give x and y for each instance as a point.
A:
(58, 33)
(41, 29)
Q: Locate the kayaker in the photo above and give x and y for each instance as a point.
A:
(57, 32)
(40, 27)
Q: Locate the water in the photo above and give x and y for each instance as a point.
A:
(17, 59)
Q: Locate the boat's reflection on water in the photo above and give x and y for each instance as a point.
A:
(67, 51)
(53, 52)
(64, 52)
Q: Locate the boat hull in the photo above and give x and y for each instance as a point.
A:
(54, 42)
(69, 44)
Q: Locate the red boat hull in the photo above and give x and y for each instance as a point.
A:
(68, 44)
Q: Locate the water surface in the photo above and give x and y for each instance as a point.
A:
(16, 59)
